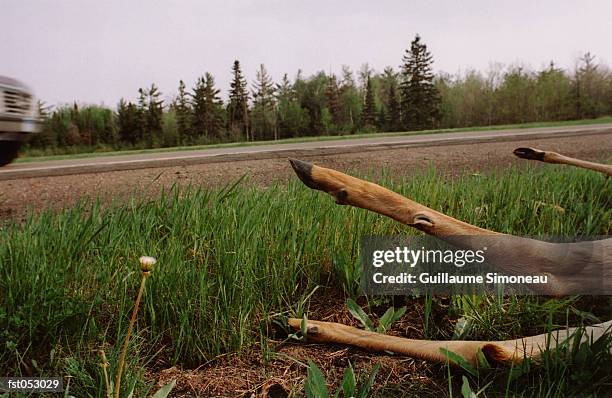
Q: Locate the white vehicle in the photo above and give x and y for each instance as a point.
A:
(19, 119)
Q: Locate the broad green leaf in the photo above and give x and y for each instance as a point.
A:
(358, 313)
(315, 383)
(386, 320)
(390, 317)
(349, 382)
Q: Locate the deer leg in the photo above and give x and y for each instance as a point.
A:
(505, 352)
(556, 158)
(569, 266)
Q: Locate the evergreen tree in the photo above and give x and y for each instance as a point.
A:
(589, 88)
(369, 107)
(142, 114)
(200, 111)
(154, 115)
(284, 88)
(264, 107)
(393, 109)
(238, 112)
(184, 115)
(385, 86)
(207, 109)
(128, 123)
(419, 96)
(334, 102)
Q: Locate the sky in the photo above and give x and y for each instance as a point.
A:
(96, 52)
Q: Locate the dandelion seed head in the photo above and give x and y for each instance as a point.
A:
(147, 263)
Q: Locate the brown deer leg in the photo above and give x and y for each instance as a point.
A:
(569, 266)
(508, 351)
(556, 158)
(353, 191)
(538, 257)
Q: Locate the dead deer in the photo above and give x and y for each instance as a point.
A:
(538, 257)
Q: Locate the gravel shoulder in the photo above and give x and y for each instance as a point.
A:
(21, 196)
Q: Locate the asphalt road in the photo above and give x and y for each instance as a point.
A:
(269, 151)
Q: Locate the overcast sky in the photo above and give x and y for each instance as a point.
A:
(100, 51)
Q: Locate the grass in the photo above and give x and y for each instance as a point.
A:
(229, 258)
(31, 155)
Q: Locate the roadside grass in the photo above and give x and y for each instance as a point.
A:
(36, 155)
(230, 258)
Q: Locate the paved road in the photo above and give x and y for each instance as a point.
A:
(268, 151)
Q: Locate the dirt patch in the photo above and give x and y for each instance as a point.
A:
(19, 197)
(247, 375)
(284, 371)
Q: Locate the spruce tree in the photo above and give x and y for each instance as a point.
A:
(393, 108)
(150, 111)
(237, 109)
(334, 102)
(127, 122)
(419, 96)
(264, 106)
(585, 100)
(155, 112)
(369, 107)
(183, 115)
(142, 115)
(207, 109)
(284, 89)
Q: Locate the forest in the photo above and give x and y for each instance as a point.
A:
(409, 98)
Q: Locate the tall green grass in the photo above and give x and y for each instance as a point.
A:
(229, 258)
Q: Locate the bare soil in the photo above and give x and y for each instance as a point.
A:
(248, 374)
(22, 196)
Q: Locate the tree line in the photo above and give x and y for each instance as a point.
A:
(410, 98)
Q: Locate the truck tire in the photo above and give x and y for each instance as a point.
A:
(8, 151)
